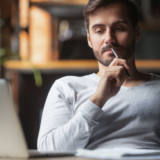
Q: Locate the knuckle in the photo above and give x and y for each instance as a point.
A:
(124, 60)
(121, 68)
(116, 59)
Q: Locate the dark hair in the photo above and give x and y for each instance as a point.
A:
(95, 4)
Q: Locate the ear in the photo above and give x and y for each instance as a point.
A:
(137, 33)
(88, 39)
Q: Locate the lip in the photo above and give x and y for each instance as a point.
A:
(108, 52)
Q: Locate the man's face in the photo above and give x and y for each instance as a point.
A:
(111, 27)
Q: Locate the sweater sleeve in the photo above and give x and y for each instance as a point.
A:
(61, 128)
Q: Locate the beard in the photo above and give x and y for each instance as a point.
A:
(128, 51)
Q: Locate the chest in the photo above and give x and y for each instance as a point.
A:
(142, 104)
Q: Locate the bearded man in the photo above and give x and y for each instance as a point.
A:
(107, 109)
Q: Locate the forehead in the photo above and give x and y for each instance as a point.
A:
(110, 14)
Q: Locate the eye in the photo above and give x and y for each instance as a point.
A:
(118, 28)
(99, 31)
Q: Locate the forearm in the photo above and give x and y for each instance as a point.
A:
(74, 134)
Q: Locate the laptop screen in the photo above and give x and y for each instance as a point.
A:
(12, 141)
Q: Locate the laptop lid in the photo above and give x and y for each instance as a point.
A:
(12, 141)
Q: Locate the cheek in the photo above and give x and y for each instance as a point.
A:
(97, 41)
(125, 39)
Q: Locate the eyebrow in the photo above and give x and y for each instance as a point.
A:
(119, 22)
(102, 25)
(98, 25)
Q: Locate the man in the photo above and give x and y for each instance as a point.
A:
(107, 109)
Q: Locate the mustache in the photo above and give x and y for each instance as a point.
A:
(108, 46)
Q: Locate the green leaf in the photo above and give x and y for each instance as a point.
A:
(37, 77)
(2, 52)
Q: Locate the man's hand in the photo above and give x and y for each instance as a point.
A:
(110, 82)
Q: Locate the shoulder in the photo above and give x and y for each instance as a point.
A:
(74, 80)
(75, 84)
(69, 86)
(154, 80)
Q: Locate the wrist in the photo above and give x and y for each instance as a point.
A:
(97, 100)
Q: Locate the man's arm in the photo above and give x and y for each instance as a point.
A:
(112, 78)
(61, 128)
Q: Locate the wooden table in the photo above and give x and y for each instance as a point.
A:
(54, 158)
(65, 158)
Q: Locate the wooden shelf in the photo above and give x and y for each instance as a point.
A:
(70, 65)
(53, 66)
(148, 64)
(61, 2)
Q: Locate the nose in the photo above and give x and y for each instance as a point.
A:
(109, 36)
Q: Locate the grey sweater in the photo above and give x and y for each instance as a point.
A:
(129, 119)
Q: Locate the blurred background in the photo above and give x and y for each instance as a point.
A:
(43, 40)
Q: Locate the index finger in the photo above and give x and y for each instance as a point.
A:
(120, 62)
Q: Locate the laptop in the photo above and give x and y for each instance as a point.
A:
(12, 140)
